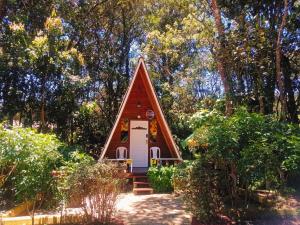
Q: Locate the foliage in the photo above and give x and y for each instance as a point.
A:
(27, 162)
(58, 57)
(262, 151)
(73, 160)
(170, 178)
(160, 178)
(27, 159)
(238, 155)
(181, 175)
(49, 63)
(65, 66)
(177, 38)
(90, 130)
(76, 159)
(202, 194)
(96, 186)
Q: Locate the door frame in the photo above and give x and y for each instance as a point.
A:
(147, 139)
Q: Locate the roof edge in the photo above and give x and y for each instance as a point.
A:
(140, 62)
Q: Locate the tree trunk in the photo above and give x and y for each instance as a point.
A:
(261, 104)
(291, 102)
(3, 8)
(269, 93)
(279, 77)
(42, 109)
(220, 57)
(233, 176)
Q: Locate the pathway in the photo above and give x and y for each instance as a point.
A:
(155, 209)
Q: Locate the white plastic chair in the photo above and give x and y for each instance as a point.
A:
(155, 152)
(121, 153)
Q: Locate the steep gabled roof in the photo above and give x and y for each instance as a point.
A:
(141, 68)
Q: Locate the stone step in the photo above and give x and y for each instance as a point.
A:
(142, 191)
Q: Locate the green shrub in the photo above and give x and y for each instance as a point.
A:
(201, 192)
(181, 175)
(160, 178)
(260, 151)
(27, 160)
(246, 151)
(74, 160)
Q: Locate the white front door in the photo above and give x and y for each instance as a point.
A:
(139, 143)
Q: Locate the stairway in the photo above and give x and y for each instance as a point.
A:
(141, 184)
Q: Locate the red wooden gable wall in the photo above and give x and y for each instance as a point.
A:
(139, 94)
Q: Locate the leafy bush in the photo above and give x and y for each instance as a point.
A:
(201, 192)
(247, 151)
(74, 160)
(160, 178)
(27, 160)
(96, 186)
(181, 175)
(260, 151)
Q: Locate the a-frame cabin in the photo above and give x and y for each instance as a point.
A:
(141, 125)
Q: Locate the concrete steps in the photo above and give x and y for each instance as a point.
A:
(138, 191)
(137, 183)
(141, 184)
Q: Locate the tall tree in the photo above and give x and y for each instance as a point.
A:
(251, 30)
(179, 36)
(221, 57)
(279, 75)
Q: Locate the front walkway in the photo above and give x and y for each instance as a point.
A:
(155, 209)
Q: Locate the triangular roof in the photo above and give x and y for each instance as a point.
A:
(141, 67)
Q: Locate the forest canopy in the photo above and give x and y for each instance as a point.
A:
(65, 65)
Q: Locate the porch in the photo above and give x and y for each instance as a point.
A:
(131, 169)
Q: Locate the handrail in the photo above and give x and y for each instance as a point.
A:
(165, 159)
(131, 166)
(116, 159)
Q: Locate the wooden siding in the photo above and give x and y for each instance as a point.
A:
(140, 95)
